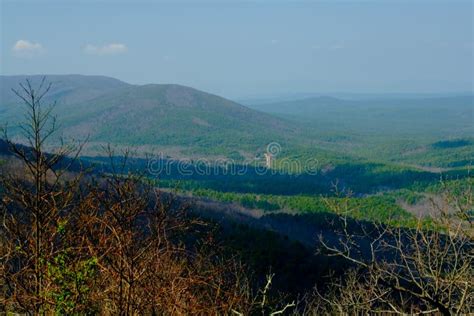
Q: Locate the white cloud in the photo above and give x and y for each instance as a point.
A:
(25, 48)
(106, 49)
(274, 41)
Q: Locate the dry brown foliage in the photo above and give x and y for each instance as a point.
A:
(71, 244)
(425, 269)
(110, 246)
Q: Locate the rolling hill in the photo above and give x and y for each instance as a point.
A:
(405, 130)
(164, 115)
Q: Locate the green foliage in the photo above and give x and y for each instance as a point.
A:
(408, 196)
(380, 208)
(433, 131)
(454, 185)
(72, 281)
(358, 177)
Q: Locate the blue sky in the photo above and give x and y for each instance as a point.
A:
(247, 48)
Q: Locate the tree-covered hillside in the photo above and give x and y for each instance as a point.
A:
(426, 133)
(404, 130)
(109, 111)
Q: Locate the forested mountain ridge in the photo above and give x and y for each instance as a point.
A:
(183, 122)
(108, 110)
(406, 130)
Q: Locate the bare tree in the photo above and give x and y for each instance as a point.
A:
(136, 236)
(109, 244)
(34, 203)
(423, 269)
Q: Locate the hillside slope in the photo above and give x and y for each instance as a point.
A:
(108, 110)
(404, 130)
(174, 115)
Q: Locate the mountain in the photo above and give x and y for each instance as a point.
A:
(166, 115)
(445, 116)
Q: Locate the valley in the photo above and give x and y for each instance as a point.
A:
(369, 148)
(269, 180)
(237, 157)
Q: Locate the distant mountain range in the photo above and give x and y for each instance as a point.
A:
(289, 97)
(438, 117)
(109, 110)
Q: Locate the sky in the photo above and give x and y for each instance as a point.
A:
(247, 48)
